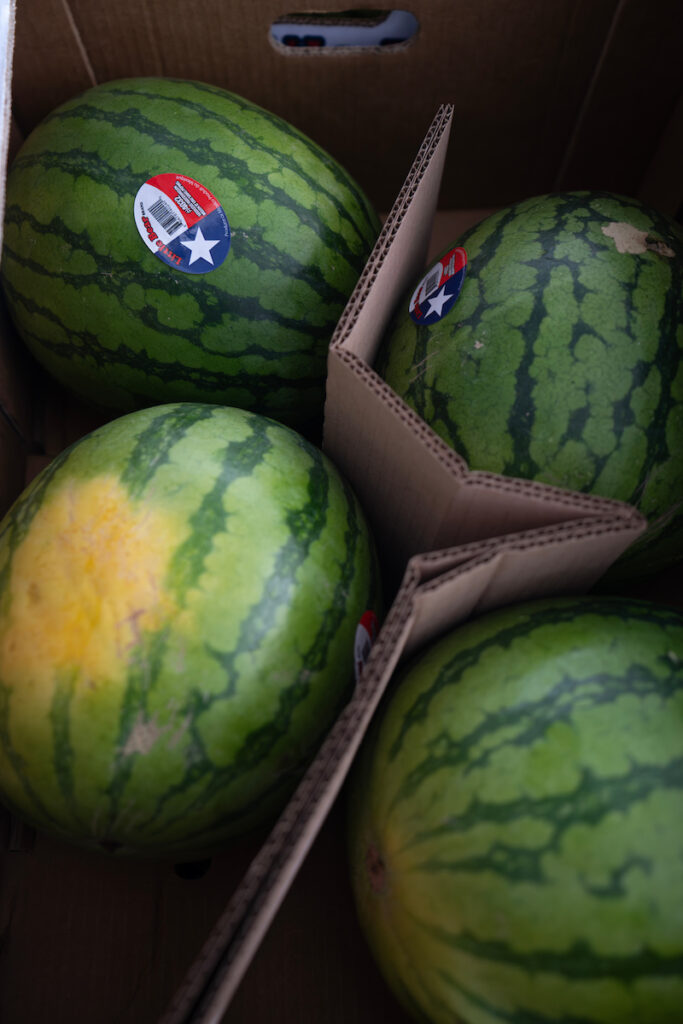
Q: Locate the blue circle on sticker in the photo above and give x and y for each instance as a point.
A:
(439, 289)
(201, 248)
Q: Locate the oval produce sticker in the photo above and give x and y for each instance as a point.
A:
(438, 290)
(182, 223)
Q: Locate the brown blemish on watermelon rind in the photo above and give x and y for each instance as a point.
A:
(629, 239)
(376, 869)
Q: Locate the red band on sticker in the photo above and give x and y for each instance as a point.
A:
(366, 634)
(439, 289)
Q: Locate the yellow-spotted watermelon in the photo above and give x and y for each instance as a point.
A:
(180, 595)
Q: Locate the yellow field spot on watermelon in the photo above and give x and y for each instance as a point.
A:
(87, 582)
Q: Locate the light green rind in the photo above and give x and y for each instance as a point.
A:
(516, 819)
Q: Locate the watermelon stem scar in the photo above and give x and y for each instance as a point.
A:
(376, 868)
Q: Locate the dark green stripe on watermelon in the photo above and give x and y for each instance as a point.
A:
(204, 151)
(145, 669)
(579, 962)
(60, 718)
(636, 678)
(156, 441)
(588, 803)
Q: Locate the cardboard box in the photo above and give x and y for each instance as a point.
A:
(541, 96)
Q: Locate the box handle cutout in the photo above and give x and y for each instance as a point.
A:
(329, 31)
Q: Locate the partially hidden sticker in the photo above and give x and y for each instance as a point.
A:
(438, 290)
(182, 223)
(366, 633)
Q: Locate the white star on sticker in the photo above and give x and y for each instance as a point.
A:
(200, 247)
(438, 302)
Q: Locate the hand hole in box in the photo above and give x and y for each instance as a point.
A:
(341, 31)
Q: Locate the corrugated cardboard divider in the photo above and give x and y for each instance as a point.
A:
(390, 455)
(469, 542)
(440, 590)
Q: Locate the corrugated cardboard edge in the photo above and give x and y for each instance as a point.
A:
(368, 425)
(439, 590)
(7, 23)
(566, 558)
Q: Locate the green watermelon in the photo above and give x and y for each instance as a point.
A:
(126, 318)
(516, 819)
(560, 360)
(180, 594)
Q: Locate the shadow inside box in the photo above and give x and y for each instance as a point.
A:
(61, 418)
(314, 956)
(108, 938)
(111, 939)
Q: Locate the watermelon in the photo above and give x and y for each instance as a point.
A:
(180, 593)
(550, 348)
(170, 241)
(516, 819)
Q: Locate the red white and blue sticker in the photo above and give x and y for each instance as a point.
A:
(182, 223)
(366, 634)
(438, 290)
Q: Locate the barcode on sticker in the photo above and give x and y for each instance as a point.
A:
(432, 279)
(165, 215)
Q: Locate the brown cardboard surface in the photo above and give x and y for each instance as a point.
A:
(16, 411)
(16, 378)
(93, 942)
(448, 225)
(12, 464)
(568, 558)
(661, 184)
(545, 94)
(50, 64)
(619, 127)
(6, 58)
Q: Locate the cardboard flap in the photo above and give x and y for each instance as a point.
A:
(436, 501)
(7, 21)
(564, 559)
(401, 249)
